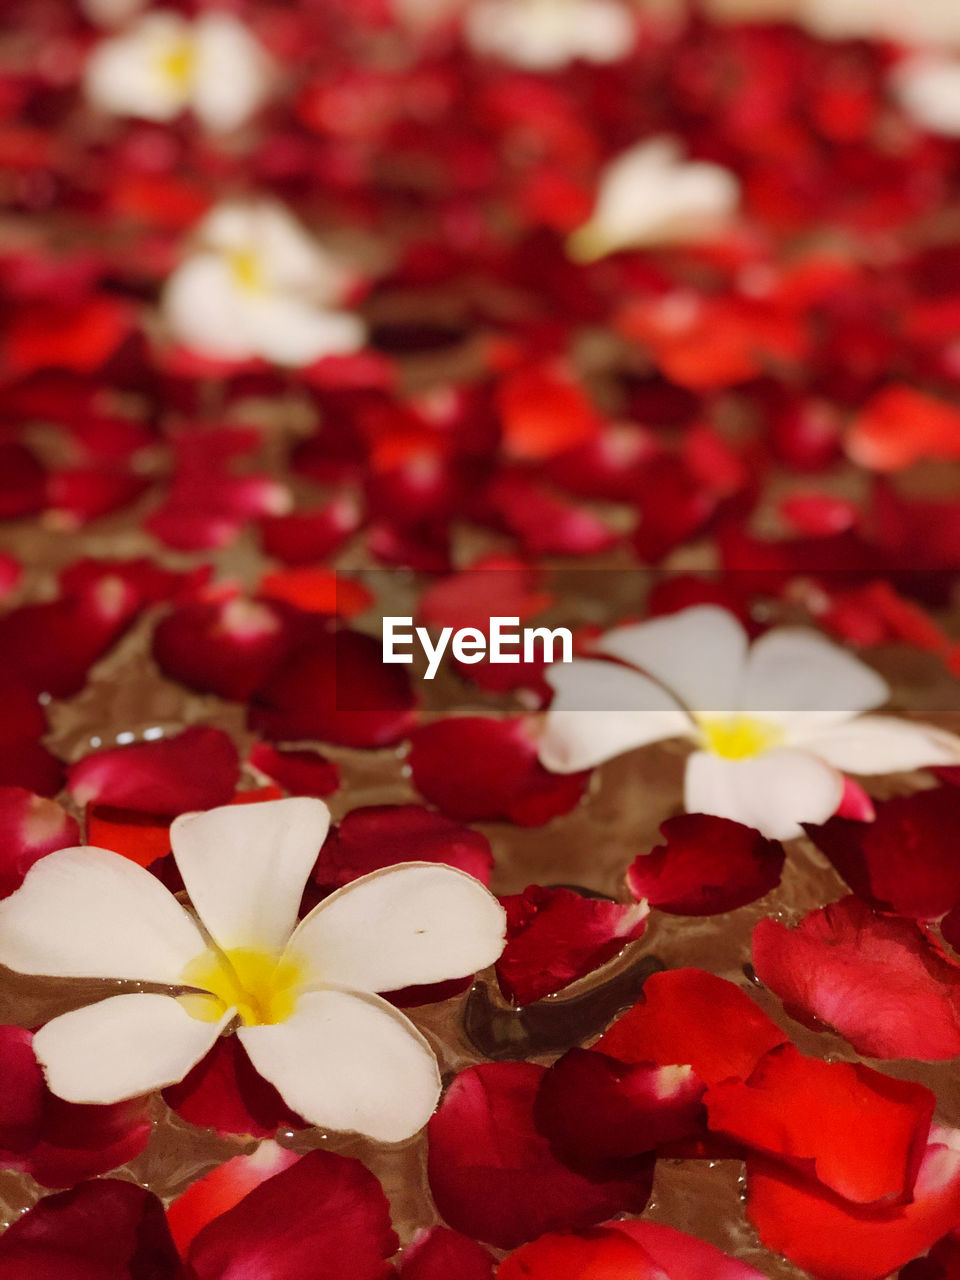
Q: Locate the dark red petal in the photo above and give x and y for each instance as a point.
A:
(440, 1254)
(22, 1096)
(335, 689)
(227, 647)
(103, 1230)
(688, 1016)
(903, 861)
(23, 483)
(555, 936)
(544, 522)
(306, 537)
(837, 1241)
(82, 494)
(300, 773)
(480, 769)
(198, 769)
(707, 865)
(50, 647)
(80, 1141)
(382, 835)
(493, 1175)
(883, 984)
(223, 1092)
(593, 1107)
(28, 764)
(855, 1131)
(30, 826)
(324, 1218)
(222, 1189)
(11, 572)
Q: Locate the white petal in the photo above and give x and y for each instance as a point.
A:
(126, 74)
(122, 1047)
(245, 867)
(405, 925)
(774, 792)
(232, 72)
(204, 308)
(698, 654)
(883, 744)
(349, 1062)
(928, 87)
(797, 675)
(295, 331)
(89, 913)
(602, 710)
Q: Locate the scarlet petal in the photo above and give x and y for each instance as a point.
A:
(30, 826)
(324, 1218)
(335, 689)
(707, 865)
(685, 1257)
(306, 537)
(693, 1017)
(383, 835)
(594, 1107)
(440, 1254)
(222, 1189)
(855, 1131)
(881, 983)
(226, 647)
(480, 769)
(555, 936)
(102, 1230)
(141, 837)
(316, 589)
(225, 1093)
(543, 412)
(878, 441)
(493, 1175)
(198, 769)
(598, 1255)
(902, 861)
(835, 1240)
(301, 773)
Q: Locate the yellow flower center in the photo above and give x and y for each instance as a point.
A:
(262, 986)
(738, 737)
(179, 63)
(246, 269)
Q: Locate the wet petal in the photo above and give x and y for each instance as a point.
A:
(349, 1062)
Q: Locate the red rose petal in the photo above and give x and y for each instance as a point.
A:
(881, 983)
(555, 936)
(480, 769)
(877, 440)
(80, 494)
(382, 835)
(543, 412)
(543, 522)
(300, 773)
(316, 589)
(227, 647)
(141, 837)
(80, 337)
(600, 1255)
(224, 1092)
(493, 1175)
(688, 1016)
(335, 689)
(103, 1230)
(306, 537)
(30, 826)
(685, 1257)
(23, 482)
(11, 572)
(197, 769)
(222, 1189)
(440, 1254)
(497, 586)
(324, 1218)
(857, 1132)
(707, 865)
(80, 1141)
(837, 1241)
(594, 1107)
(902, 861)
(22, 1097)
(29, 765)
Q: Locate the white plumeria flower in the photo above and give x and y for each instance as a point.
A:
(928, 88)
(543, 35)
(301, 995)
(165, 65)
(258, 286)
(775, 724)
(652, 195)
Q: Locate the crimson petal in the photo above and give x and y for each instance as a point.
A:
(300, 773)
(882, 983)
(227, 647)
(440, 1254)
(30, 826)
(707, 865)
(555, 936)
(494, 1176)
